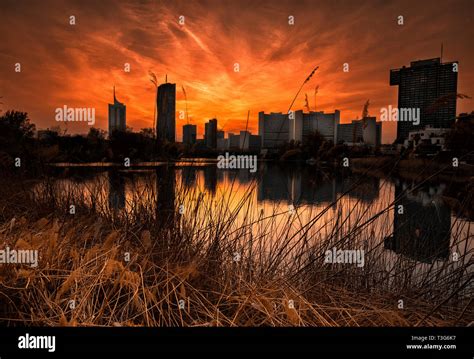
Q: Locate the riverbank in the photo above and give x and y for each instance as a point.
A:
(107, 269)
(459, 194)
(413, 169)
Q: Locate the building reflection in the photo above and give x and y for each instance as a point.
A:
(165, 203)
(210, 178)
(116, 190)
(422, 227)
(302, 187)
(189, 176)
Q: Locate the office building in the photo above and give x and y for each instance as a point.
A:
(210, 133)
(234, 141)
(324, 123)
(189, 134)
(247, 141)
(432, 139)
(117, 116)
(430, 86)
(275, 129)
(166, 119)
(366, 131)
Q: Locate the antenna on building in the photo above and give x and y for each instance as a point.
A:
(114, 93)
(441, 59)
(166, 78)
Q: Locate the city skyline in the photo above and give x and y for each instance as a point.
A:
(78, 64)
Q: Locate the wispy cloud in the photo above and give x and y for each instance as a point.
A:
(78, 65)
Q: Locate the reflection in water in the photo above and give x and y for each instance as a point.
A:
(422, 225)
(166, 185)
(116, 190)
(188, 175)
(300, 187)
(210, 178)
(422, 232)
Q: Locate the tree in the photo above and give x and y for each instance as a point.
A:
(96, 134)
(15, 131)
(313, 143)
(459, 140)
(16, 125)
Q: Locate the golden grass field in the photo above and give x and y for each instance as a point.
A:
(182, 274)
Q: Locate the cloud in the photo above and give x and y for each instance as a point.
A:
(79, 65)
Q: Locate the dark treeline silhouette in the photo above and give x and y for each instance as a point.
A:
(459, 140)
(18, 140)
(316, 147)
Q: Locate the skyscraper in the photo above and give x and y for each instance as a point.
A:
(189, 134)
(431, 87)
(210, 133)
(117, 116)
(166, 103)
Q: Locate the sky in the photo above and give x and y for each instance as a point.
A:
(78, 65)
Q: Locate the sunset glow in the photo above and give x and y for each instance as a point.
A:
(78, 65)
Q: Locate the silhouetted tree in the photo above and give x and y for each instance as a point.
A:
(459, 140)
(16, 131)
(313, 143)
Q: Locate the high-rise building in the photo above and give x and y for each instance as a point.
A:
(210, 133)
(234, 141)
(166, 120)
(366, 131)
(276, 128)
(117, 116)
(222, 142)
(427, 86)
(247, 141)
(189, 134)
(324, 123)
(273, 128)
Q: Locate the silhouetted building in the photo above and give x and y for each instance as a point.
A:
(431, 87)
(234, 141)
(275, 129)
(210, 133)
(117, 116)
(247, 141)
(366, 131)
(189, 134)
(166, 120)
(324, 123)
(222, 143)
(428, 140)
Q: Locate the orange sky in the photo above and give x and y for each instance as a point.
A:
(78, 65)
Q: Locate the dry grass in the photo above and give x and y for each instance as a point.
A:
(182, 273)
